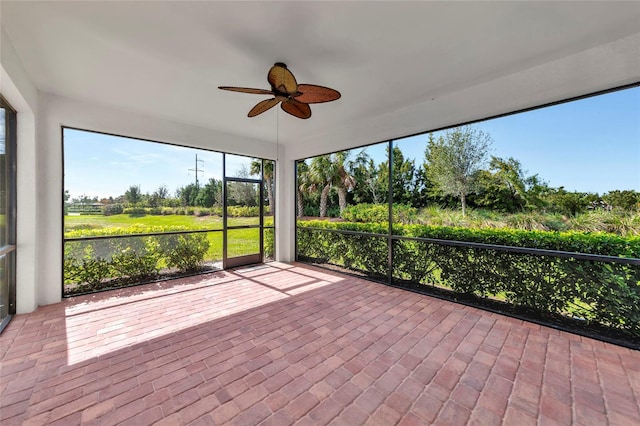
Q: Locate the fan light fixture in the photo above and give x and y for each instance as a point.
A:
(295, 98)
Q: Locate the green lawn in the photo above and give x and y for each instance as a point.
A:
(190, 222)
(241, 241)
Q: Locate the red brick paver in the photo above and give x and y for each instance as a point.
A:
(283, 344)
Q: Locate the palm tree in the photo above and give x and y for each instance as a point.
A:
(320, 175)
(341, 178)
(303, 185)
(332, 171)
(256, 167)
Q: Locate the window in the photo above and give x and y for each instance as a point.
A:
(137, 211)
(7, 212)
(538, 209)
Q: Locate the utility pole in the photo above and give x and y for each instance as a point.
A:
(197, 170)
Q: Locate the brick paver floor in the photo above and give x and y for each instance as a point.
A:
(283, 344)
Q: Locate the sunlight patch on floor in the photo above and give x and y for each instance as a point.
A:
(100, 324)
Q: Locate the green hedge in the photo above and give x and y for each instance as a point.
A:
(88, 264)
(600, 292)
(269, 243)
(232, 211)
(380, 213)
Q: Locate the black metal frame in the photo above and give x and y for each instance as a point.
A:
(9, 250)
(509, 249)
(149, 234)
(224, 180)
(486, 246)
(272, 207)
(233, 262)
(521, 250)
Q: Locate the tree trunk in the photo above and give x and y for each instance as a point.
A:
(269, 194)
(323, 200)
(463, 200)
(342, 199)
(300, 204)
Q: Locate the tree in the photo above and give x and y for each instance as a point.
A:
(365, 173)
(133, 195)
(570, 203)
(188, 194)
(242, 194)
(455, 159)
(503, 187)
(256, 167)
(341, 179)
(421, 196)
(626, 200)
(332, 171)
(403, 182)
(84, 199)
(210, 194)
(159, 195)
(67, 196)
(303, 185)
(319, 176)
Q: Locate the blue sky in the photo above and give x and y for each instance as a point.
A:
(591, 145)
(104, 165)
(2, 141)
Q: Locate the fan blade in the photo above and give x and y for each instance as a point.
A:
(246, 90)
(312, 94)
(297, 109)
(282, 79)
(263, 106)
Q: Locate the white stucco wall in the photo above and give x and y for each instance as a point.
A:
(285, 207)
(21, 93)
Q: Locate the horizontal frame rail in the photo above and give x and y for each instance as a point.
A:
(7, 249)
(150, 234)
(242, 180)
(155, 234)
(486, 246)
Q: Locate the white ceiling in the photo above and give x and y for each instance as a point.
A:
(402, 67)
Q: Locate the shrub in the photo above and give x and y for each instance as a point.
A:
(129, 230)
(269, 244)
(111, 209)
(600, 292)
(91, 264)
(366, 213)
(84, 267)
(203, 212)
(82, 227)
(131, 262)
(86, 271)
(380, 213)
(526, 221)
(135, 211)
(242, 211)
(185, 252)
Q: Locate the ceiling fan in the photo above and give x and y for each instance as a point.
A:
(295, 97)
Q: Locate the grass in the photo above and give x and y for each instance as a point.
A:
(123, 221)
(190, 222)
(241, 241)
(625, 224)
